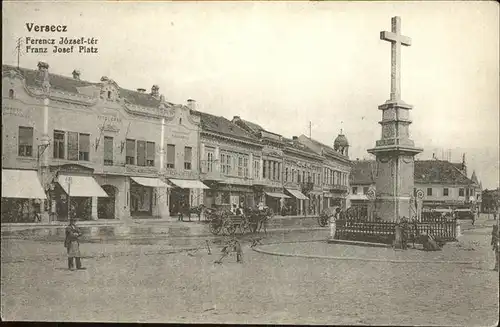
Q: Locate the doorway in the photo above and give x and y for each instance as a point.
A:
(106, 206)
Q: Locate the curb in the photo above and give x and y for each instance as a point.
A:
(360, 243)
(257, 249)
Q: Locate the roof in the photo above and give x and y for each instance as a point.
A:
(221, 125)
(327, 149)
(253, 126)
(474, 178)
(298, 146)
(69, 84)
(426, 172)
(341, 140)
(362, 172)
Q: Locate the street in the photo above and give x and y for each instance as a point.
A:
(160, 283)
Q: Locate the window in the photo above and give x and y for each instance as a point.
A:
(298, 176)
(141, 153)
(229, 164)
(461, 192)
(84, 147)
(73, 146)
(256, 168)
(188, 153)
(130, 152)
(240, 166)
(150, 154)
(108, 151)
(59, 144)
(223, 163)
(264, 169)
(170, 156)
(11, 93)
(210, 160)
(365, 190)
(109, 94)
(25, 141)
(286, 174)
(445, 191)
(354, 190)
(429, 191)
(245, 166)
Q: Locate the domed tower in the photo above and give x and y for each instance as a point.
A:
(341, 145)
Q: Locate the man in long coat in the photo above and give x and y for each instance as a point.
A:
(72, 244)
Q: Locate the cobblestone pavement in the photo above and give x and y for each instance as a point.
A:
(264, 289)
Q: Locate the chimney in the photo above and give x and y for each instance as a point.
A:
(236, 118)
(191, 104)
(141, 90)
(295, 138)
(357, 159)
(76, 74)
(155, 91)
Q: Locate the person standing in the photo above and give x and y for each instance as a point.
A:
(72, 244)
(494, 244)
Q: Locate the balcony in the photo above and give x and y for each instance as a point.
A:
(335, 188)
(210, 171)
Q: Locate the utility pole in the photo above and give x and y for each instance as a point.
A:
(18, 48)
(310, 129)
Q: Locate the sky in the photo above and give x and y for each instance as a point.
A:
(284, 65)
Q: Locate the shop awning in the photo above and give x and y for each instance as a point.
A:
(151, 182)
(22, 184)
(189, 183)
(298, 194)
(358, 197)
(278, 195)
(85, 186)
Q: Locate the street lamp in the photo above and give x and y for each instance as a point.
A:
(69, 180)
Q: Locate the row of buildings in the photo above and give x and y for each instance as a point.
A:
(103, 152)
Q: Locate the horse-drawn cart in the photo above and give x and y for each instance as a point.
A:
(226, 223)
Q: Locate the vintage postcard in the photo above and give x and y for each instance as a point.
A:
(301, 162)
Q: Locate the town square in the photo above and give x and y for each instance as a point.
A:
(267, 174)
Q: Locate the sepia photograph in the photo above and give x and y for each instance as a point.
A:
(251, 162)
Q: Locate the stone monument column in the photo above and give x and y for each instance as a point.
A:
(394, 151)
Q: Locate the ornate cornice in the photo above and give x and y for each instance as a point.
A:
(208, 134)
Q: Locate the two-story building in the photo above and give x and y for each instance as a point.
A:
(335, 171)
(291, 172)
(100, 151)
(438, 183)
(231, 161)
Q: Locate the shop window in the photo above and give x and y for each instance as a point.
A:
(150, 154)
(130, 152)
(461, 192)
(59, 137)
(84, 147)
(170, 156)
(141, 153)
(429, 191)
(25, 148)
(108, 151)
(445, 191)
(73, 146)
(188, 152)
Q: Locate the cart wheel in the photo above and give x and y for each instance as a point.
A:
(215, 226)
(228, 227)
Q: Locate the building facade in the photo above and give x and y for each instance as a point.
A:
(438, 183)
(101, 151)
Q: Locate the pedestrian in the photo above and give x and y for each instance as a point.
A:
(495, 244)
(72, 244)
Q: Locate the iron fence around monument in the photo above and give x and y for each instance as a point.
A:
(384, 232)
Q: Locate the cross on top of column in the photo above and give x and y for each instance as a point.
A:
(396, 40)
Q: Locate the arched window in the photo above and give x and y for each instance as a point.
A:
(11, 93)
